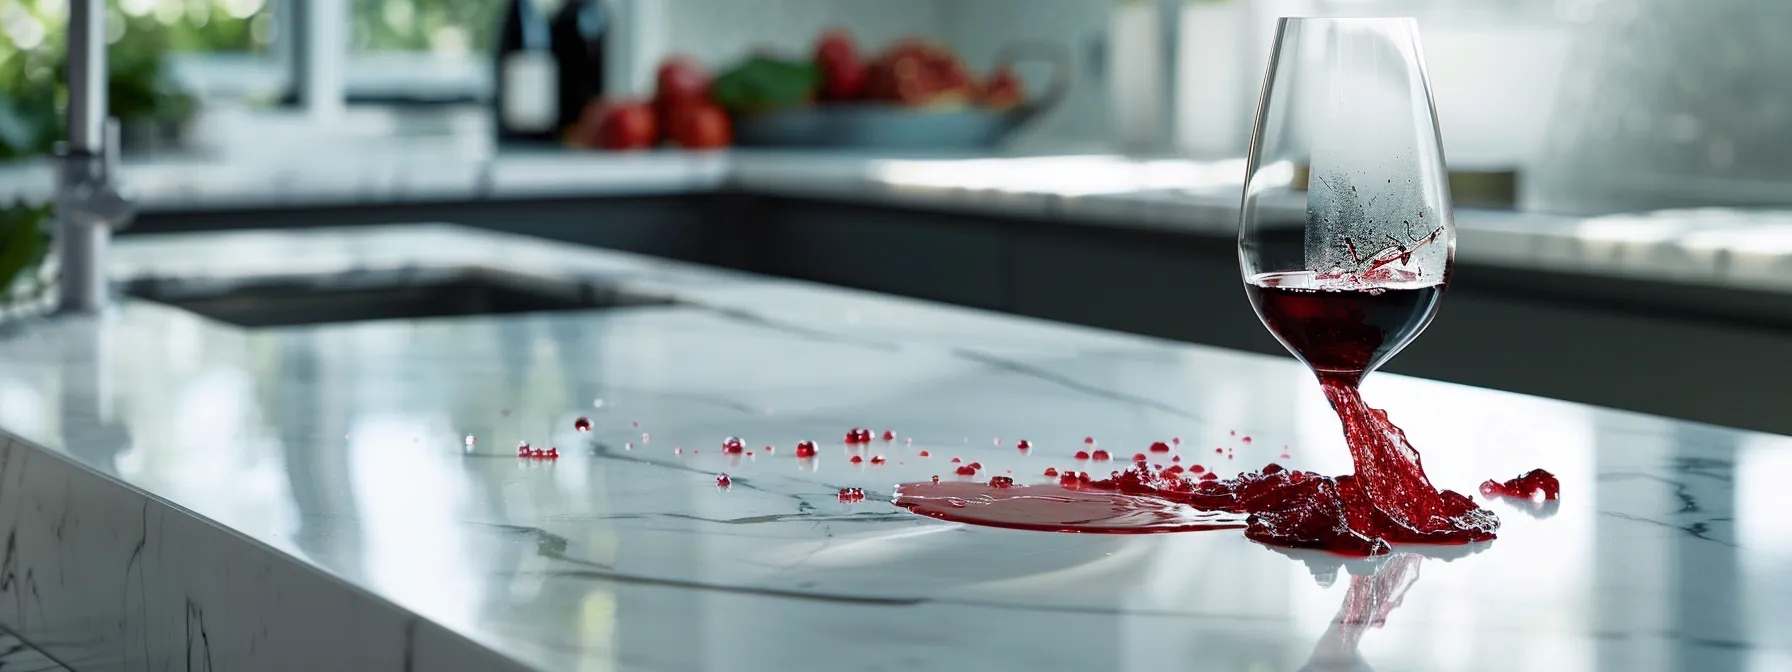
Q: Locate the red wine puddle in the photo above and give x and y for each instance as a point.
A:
(1389, 500)
(1057, 508)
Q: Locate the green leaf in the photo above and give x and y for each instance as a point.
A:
(23, 243)
(763, 84)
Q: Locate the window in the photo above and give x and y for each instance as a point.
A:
(406, 51)
(148, 40)
(197, 25)
(437, 26)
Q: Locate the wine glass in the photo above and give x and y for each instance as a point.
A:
(1345, 238)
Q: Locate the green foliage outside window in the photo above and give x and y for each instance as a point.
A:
(450, 26)
(33, 36)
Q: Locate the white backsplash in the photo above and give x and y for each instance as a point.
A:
(979, 29)
(1671, 104)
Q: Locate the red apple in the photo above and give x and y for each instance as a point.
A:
(1003, 90)
(629, 126)
(702, 126)
(843, 72)
(680, 80)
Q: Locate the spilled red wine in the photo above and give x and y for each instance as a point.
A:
(1534, 485)
(1057, 508)
(1344, 326)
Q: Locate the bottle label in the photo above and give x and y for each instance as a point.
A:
(531, 82)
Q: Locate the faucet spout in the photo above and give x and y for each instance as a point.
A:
(89, 203)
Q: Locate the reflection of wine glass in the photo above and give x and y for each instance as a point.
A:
(1366, 605)
(1346, 117)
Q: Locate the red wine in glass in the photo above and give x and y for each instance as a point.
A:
(1343, 326)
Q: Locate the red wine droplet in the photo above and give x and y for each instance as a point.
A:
(732, 445)
(966, 470)
(1176, 440)
(1175, 458)
(1219, 451)
(851, 495)
(805, 449)
(722, 481)
(553, 453)
(1534, 485)
(956, 460)
(976, 466)
(858, 435)
(522, 450)
(877, 459)
(1023, 444)
(1089, 440)
(1100, 455)
(1051, 471)
(1001, 482)
(889, 435)
(1160, 447)
(582, 424)
(1139, 458)
(677, 451)
(936, 479)
(769, 450)
(856, 459)
(925, 453)
(1245, 439)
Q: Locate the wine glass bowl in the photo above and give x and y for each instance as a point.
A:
(1346, 124)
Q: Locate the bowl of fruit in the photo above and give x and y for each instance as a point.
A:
(916, 94)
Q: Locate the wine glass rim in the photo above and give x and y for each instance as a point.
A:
(1366, 20)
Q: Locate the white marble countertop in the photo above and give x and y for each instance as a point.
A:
(302, 498)
(1718, 247)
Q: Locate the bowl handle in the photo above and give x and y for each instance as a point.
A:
(1047, 52)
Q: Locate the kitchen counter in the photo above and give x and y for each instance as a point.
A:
(178, 491)
(1721, 248)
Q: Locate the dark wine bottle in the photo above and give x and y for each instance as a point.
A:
(525, 78)
(579, 32)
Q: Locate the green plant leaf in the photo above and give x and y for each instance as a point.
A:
(23, 243)
(764, 84)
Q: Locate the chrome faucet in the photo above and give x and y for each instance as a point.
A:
(89, 204)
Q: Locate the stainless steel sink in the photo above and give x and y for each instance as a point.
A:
(289, 300)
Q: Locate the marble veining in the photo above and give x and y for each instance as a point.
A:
(18, 656)
(179, 493)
